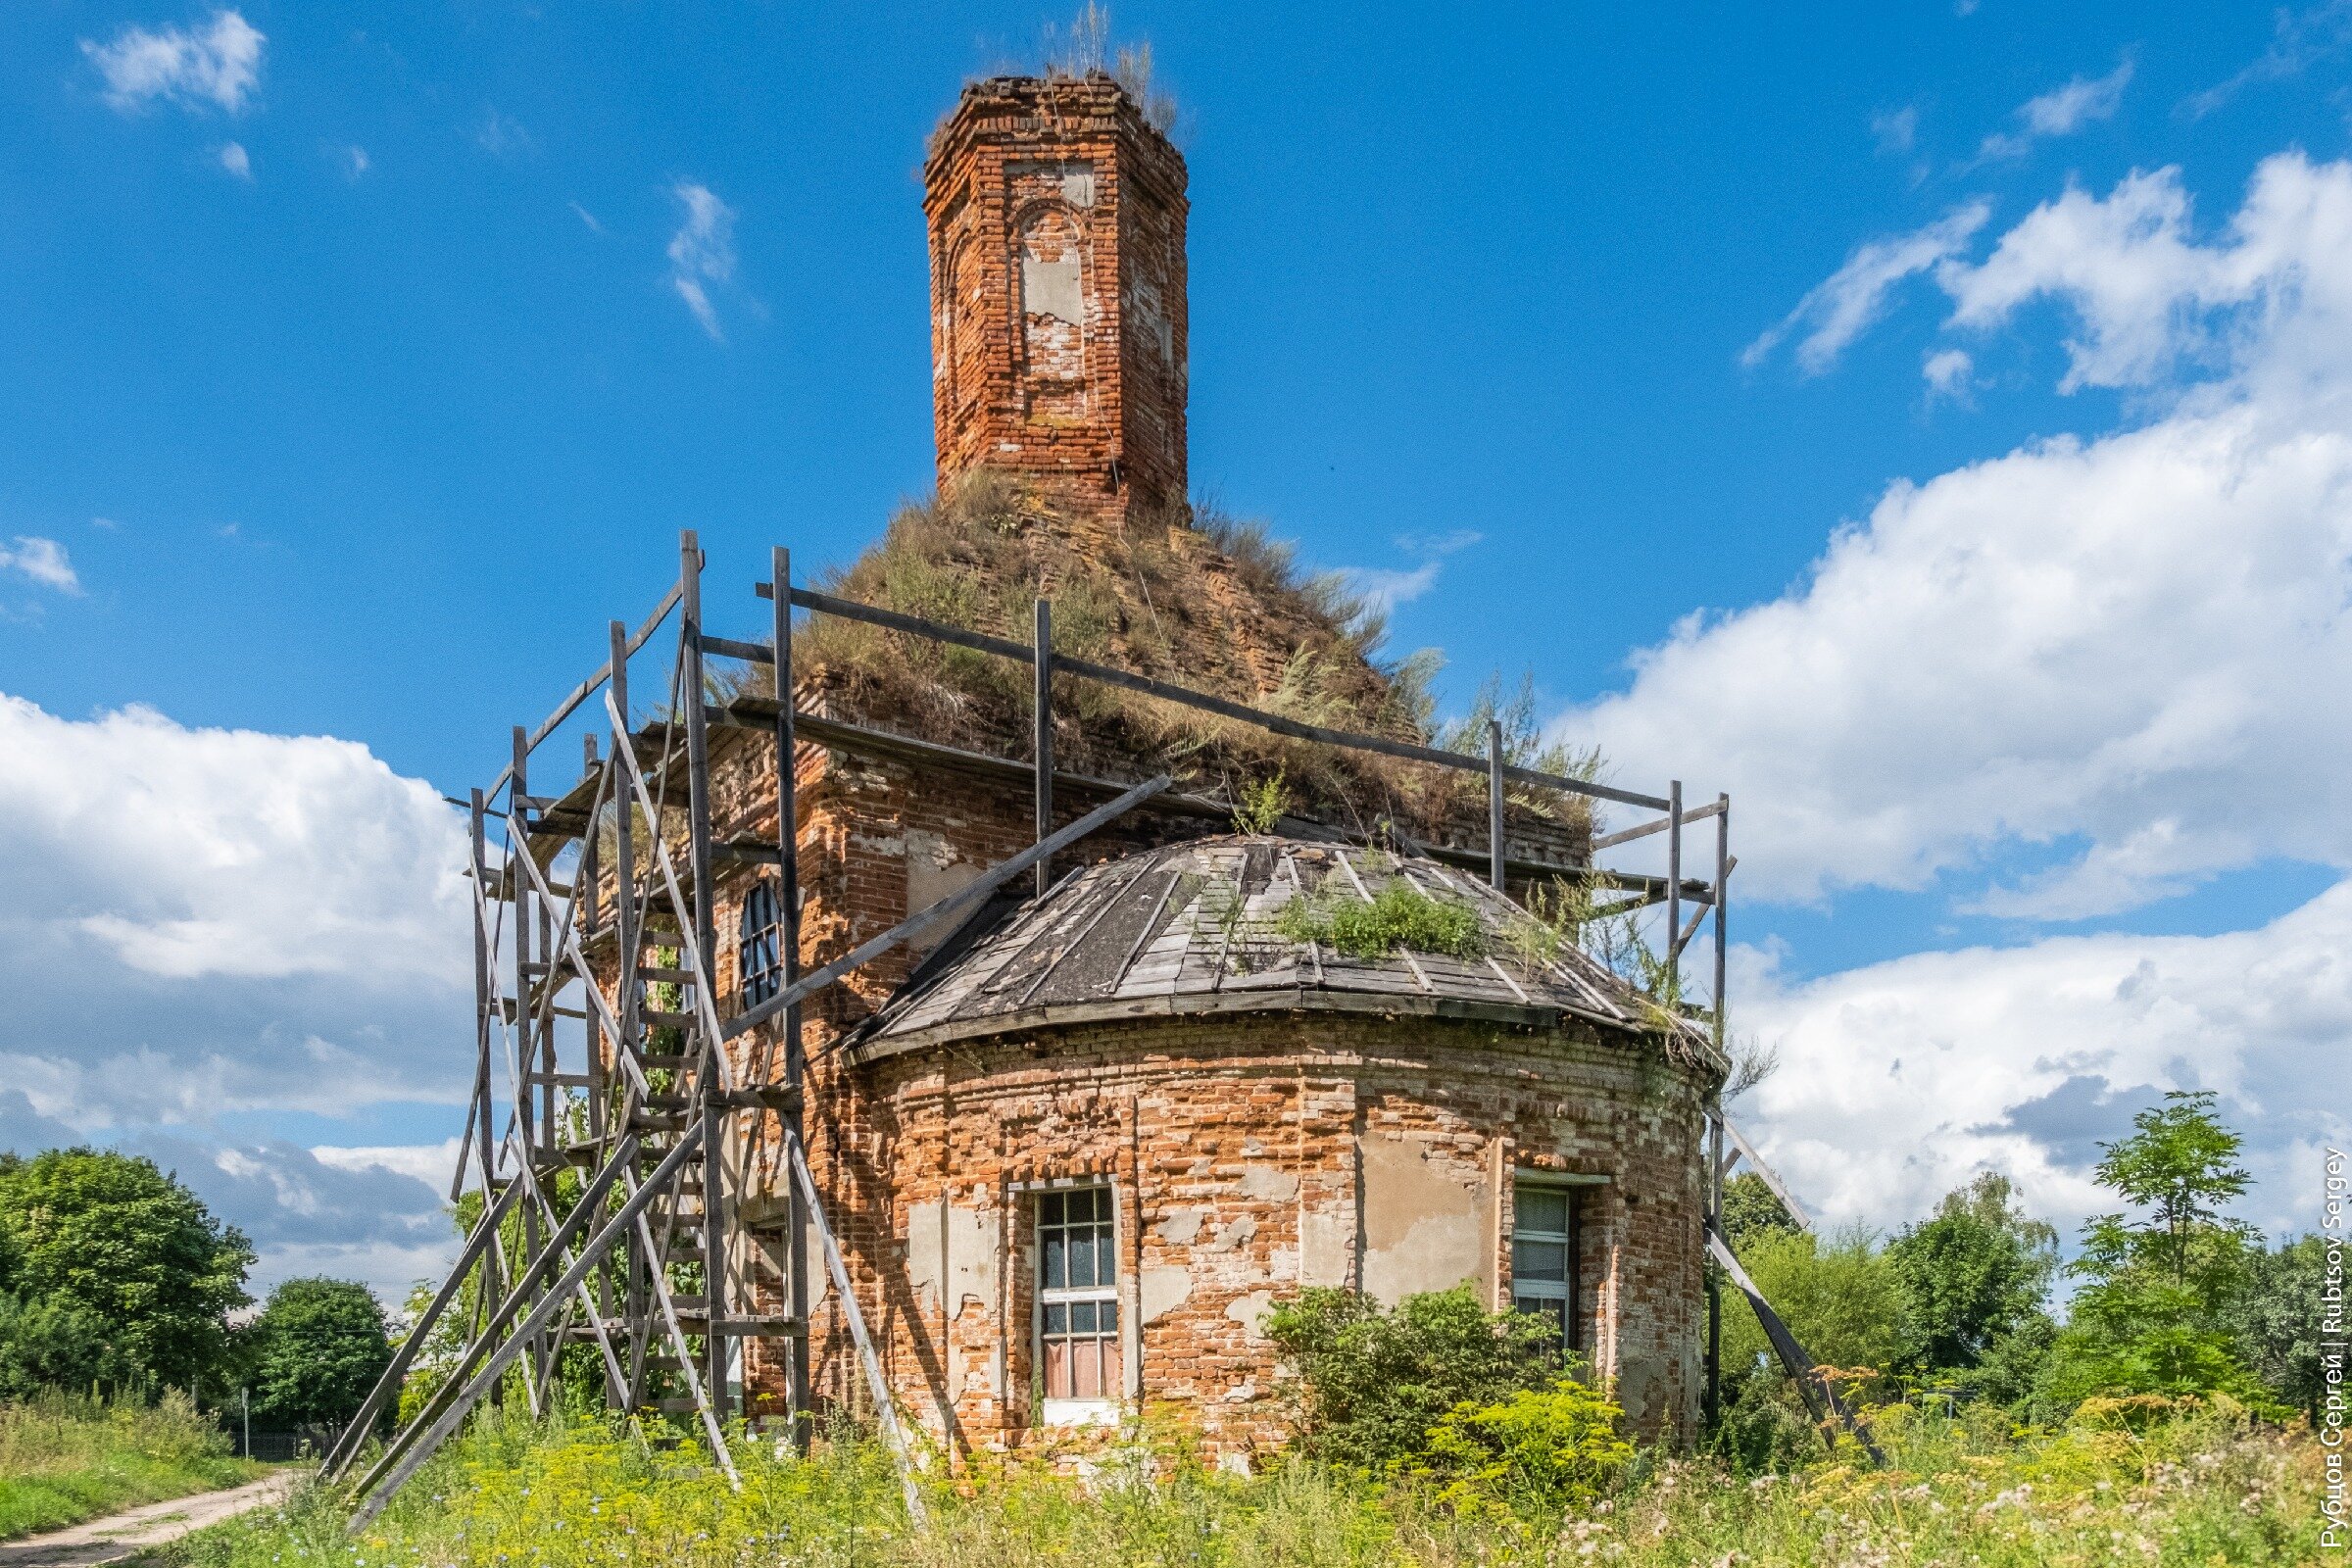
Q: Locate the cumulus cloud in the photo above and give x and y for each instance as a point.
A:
(219, 63)
(2108, 645)
(1947, 371)
(235, 160)
(702, 252)
(2061, 112)
(1901, 1080)
(44, 561)
(1841, 307)
(205, 925)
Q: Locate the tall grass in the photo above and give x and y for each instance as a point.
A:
(2196, 1489)
(65, 1459)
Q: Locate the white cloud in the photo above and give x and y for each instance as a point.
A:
(1946, 372)
(219, 63)
(588, 217)
(2061, 112)
(1900, 1080)
(234, 159)
(1896, 129)
(352, 159)
(44, 561)
(503, 135)
(1841, 307)
(2300, 40)
(429, 1163)
(1383, 588)
(206, 924)
(2112, 646)
(702, 252)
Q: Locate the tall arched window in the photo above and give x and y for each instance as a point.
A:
(759, 945)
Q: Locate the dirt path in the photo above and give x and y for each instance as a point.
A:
(126, 1534)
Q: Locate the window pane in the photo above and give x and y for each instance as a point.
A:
(1082, 1257)
(1109, 1316)
(1057, 1369)
(1049, 1208)
(1555, 1309)
(1058, 1318)
(1082, 1317)
(1543, 1208)
(1086, 1363)
(1057, 1260)
(1540, 1260)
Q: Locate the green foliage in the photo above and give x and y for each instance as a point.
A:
(64, 1458)
(314, 1352)
(1264, 802)
(1969, 1276)
(1398, 915)
(1540, 1452)
(1751, 1211)
(2152, 1315)
(107, 1246)
(2193, 1487)
(2273, 1319)
(1841, 1299)
(1373, 1382)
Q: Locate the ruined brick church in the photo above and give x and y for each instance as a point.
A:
(1075, 1148)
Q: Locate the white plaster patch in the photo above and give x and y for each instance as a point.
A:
(1247, 1310)
(1270, 1183)
(1163, 1288)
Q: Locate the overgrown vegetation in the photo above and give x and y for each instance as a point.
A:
(1202, 600)
(1398, 915)
(2193, 1485)
(63, 1459)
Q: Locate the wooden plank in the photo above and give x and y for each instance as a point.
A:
(1772, 1178)
(1645, 829)
(587, 688)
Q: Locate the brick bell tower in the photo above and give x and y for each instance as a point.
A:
(1057, 294)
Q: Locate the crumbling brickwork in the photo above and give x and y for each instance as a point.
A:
(1057, 214)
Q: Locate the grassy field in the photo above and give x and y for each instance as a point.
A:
(64, 1460)
(2201, 1489)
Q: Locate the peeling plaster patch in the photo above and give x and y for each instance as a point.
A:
(1181, 1227)
(951, 1256)
(1235, 1232)
(1241, 1392)
(1163, 1289)
(1051, 289)
(1247, 1310)
(1423, 1229)
(1326, 1247)
(1269, 1184)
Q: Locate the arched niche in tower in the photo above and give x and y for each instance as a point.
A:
(1050, 246)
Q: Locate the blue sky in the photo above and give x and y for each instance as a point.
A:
(347, 387)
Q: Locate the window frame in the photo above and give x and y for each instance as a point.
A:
(759, 944)
(1568, 1290)
(1108, 1345)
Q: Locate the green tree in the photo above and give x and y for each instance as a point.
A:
(314, 1352)
(2275, 1320)
(1841, 1299)
(1375, 1382)
(106, 1248)
(1970, 1275)
(1750, 1209)
(2152, 1315)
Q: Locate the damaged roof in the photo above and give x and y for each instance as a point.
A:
(1201, 927)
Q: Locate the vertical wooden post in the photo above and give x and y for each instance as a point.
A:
(486, 985)
(586, 886)
(706, 940)
(520, 892)
(626, 917)
(1723, 894)
(1495, 854)
(796, 1062)
(1044, 713)
(1714, 1222)
(1673, 889)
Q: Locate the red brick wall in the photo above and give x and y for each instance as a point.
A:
(1049, 200)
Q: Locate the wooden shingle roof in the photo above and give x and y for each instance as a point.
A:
(1199, 929)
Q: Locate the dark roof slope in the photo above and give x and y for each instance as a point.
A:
(1199, 927)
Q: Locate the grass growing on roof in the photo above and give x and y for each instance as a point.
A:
(1397, 916)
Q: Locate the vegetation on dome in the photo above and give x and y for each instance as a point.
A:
(1398, 915)
(1202, 601)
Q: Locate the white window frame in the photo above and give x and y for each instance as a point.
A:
(1105, 1407)
(1564, 1291)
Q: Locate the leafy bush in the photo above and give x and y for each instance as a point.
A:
(1398, 915)
(1372, 1382)
(1540, 1451)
